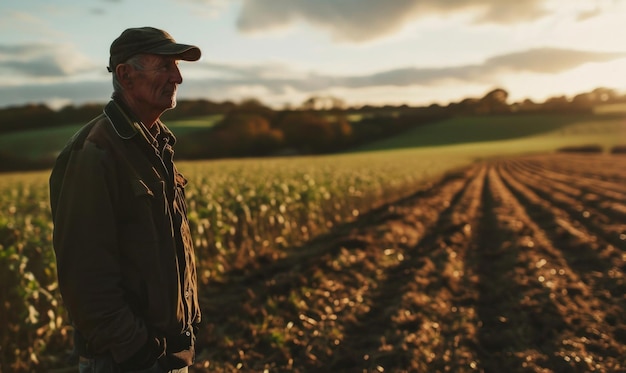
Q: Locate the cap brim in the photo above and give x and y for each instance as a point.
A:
(180, 51)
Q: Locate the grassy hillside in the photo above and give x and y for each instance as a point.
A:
(186, 126)
(46, 143)
(482, 135)
(510, 133)
(37, 144)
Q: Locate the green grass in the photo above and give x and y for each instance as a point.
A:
(47, 142)
(187, 126)
(37, 144)
(511, 134)
(486, 134)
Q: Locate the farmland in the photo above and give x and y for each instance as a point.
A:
(461, 258)
(510, 265)
(241, 212)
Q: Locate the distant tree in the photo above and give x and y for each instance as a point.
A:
(26, 117)
(604, 95)
(252, 106)
(249, 134)
(526, 106)
(494, 102)
(236, 135)
(343, 132)
(71, 114)
(583, 101)
(497, 95)
(466, 106)
(586, 101)
(323, 103)
(557, 104)
(370, 128)
(310, 132)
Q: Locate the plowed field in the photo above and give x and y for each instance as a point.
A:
(510, 266)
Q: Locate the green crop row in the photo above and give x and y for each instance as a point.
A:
(31, 313)
(241, 212)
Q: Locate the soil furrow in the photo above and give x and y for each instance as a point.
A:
(596, 167)
(580, 192)
(585, 251)
(495, 268)
(518, 318)
(582, 188)
(413, 307)
(579, 213)
(580, 299)
(586, 175)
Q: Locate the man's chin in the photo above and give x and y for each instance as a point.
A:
(172, 103)
(173, 100)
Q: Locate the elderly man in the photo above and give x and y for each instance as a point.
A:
(125, 259)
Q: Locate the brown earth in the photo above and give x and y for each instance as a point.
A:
(510, 266)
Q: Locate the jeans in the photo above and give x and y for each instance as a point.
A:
(107, 365)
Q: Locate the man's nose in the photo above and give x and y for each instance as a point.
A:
(175, 76)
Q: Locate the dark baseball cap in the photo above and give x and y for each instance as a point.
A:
(149, 40)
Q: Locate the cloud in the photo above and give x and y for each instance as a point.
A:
(364, 20)
(78, 93)
(540, 60)
(548, 60)
(36, 60)
(17, 23)
(589, 14)
(222, 81)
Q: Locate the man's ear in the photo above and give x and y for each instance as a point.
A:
(122, 71)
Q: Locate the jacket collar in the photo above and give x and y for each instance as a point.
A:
(127, 126)
(124, 125)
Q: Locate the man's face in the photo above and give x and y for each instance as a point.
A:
(154, 86)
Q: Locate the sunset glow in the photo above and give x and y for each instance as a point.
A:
(284, 51)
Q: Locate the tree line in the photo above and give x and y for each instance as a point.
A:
(320, 125)
(323, 125)
(19, 118)
(252, 129)
(34, 116)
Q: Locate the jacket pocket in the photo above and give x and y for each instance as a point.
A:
(142, 213)
(156, 196)
(140, 188)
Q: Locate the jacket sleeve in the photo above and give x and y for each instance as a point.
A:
(83, 199)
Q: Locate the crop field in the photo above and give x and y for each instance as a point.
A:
(505, 266)
(454, 257)
(395, 261)
(241, 211)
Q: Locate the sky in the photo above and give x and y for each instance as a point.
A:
(281, 52)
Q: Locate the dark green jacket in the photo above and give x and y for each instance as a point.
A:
(124, 252)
